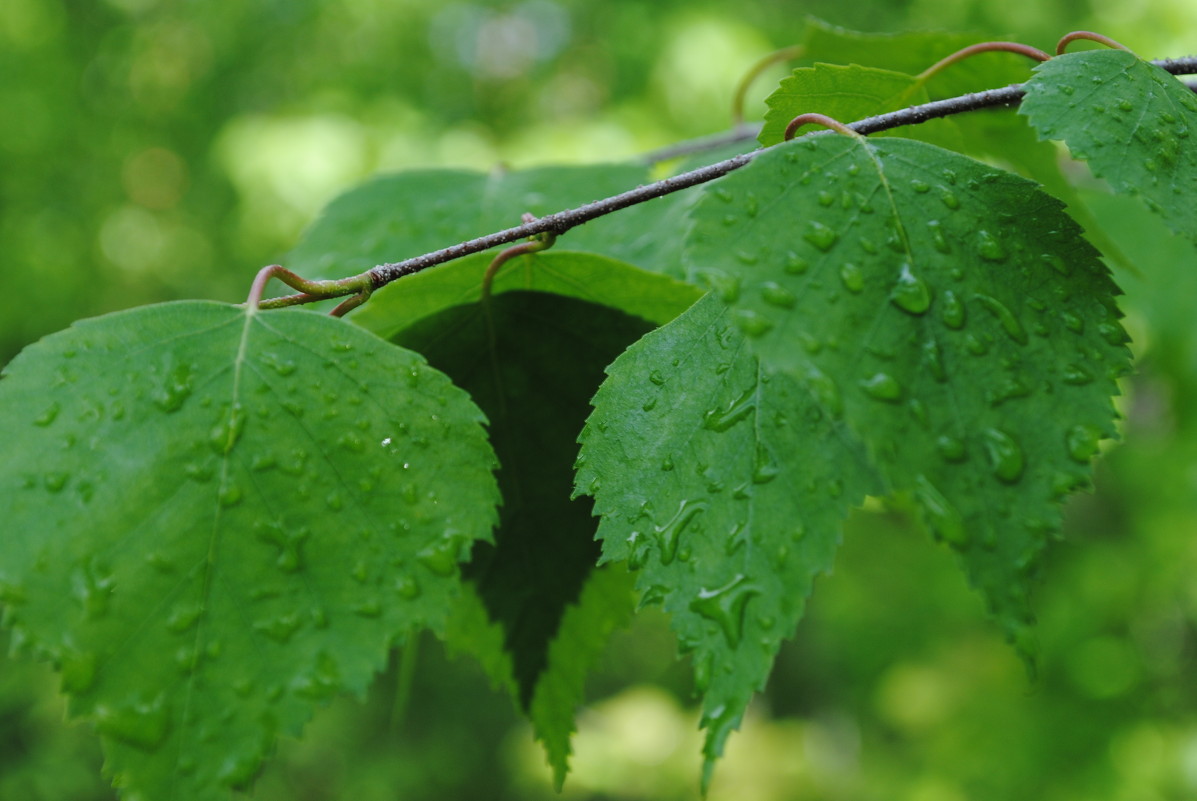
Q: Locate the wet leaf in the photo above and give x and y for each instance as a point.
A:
(1130, 120)
(949, 313)
(219, 519)
(699, 460)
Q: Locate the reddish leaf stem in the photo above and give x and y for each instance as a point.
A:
(1069, 38)
(814, 118)
(983, 47)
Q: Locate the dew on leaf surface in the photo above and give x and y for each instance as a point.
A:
(79, 670)
(821, 236)
(952, 310)
(752, 323)
(777, 295)
(990, 248)
(48, 416)
(883, 387)
(1005, 455)
(725, 606)
(143, 724)
(669, 533)
(721, 419)
(1082, 441)
(911, 294)
(951, 449)
(852, 277)
(1006, 318)
(941, 515)
(440, 558)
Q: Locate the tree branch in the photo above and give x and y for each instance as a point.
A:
(562, 221)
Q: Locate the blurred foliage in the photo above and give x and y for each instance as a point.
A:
(153, 149)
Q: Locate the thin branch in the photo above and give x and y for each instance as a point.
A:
(562, 221)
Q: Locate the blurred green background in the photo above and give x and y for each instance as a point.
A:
(152, 149)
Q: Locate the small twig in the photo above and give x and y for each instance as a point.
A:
(814, 118)
(983, 47)
(754, 72)
(1069, 38)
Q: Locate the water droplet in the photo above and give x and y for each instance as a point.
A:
(920, 186)
(820, 235)
(826, 198)
(883, 387)
(351, 442)
(656, 377)
(725, 606)
(667, 464)
(669, 534)
(281, 628)
(1005, 455)
(952, 310)
(238, 770)
(370, 608)
(649, 404)
(1005, 317)
(321, 682)
(826, 393)
(184, 617)
(140, 724)
(1082, 441)
(795, 264)
(1073, 322)
(951, 449)
(727, 287)
(940, 515)
(752, 323)
(933, 359)
(78, 671)
(55, 480)
(48, 416)
(852, 277)
(911, 294)
(289, 543)
(1008, 388)
(441, 557)
(764, 467)
(230, 495)
(176, 387)
(777, 295)
(949, 198)
(721, 419)
(1056, 263)
(93, 588)
(990, 247)
(1112, 333)
(1077, 375)
(407, 588)
(280, 365)
(226, 433)
(975, 345)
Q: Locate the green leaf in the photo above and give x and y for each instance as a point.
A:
(1130, 120)
(584, 276)
(532, 361)
(846, 94)
(702, 465)
(949, 313)
(910, 52)
(218, 519)
(605, 605)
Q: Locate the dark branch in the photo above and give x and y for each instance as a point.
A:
(562, 221)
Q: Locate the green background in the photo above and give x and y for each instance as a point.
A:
(152, 149)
